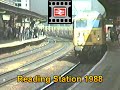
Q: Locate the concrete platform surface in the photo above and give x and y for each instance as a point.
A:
(109, 68)
(16, 43)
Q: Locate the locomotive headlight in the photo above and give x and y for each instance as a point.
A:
(98, 38)
(80, 40)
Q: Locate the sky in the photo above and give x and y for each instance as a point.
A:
(41, 6)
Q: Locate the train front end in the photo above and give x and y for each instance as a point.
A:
(84, 25)
(82, 33)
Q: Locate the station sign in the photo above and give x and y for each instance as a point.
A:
(6, 17)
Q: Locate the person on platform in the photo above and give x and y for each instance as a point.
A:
(22, 33)
(118, 32)
(10, 31)
(35, 32)
(113, 34)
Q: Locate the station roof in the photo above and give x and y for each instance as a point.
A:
(20, 11)
(112, 7)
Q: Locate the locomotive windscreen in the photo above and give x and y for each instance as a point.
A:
(81, 23)
(96, 23)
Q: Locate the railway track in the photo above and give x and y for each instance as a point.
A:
(26, 53)
(78, 69)
(65, 73)
(44, 61)
(11, 75)
(24, 61)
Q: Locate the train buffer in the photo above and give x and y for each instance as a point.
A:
(107, 71)
(7, 44)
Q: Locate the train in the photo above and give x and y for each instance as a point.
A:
(89, 35)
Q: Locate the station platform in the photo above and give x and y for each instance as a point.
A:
(108, 67)
(11, 43)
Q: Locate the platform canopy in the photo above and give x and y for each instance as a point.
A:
(112, 7)
(19, 11)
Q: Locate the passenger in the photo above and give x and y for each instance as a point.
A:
(35, 32)
(26, 33)
(22, 33)
(118, 28)
(42, 32)
(14, 32)
(108, 33)
(39, 32)
(10, 32)
(30, 33)
(17, 32)
(118, 32)
(113, 34)
(32, 24)
(6, 32)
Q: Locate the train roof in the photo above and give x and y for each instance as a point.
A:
(87, 15)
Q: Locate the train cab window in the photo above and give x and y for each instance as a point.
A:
(81, 23)
(96, 23)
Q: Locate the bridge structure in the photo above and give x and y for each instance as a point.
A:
(111, 7)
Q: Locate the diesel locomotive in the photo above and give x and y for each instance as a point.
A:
(89, 36)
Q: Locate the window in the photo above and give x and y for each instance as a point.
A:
(26, 4)
(19, 4)
(96, 23)
(81, 23)
(16, 4)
